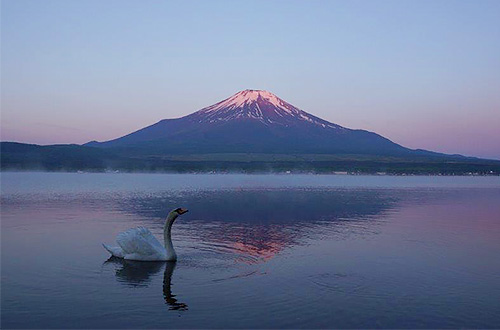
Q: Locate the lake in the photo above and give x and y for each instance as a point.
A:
(255, 251)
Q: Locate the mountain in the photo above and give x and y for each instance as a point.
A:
(252, 131)
(254, 121)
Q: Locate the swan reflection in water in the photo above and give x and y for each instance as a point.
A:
(137, 273)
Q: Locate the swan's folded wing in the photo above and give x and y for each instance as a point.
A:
(139, 240)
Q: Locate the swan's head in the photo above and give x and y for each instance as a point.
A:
(175, 213)
(180, 211)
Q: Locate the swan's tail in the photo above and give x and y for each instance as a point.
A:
(114, 250)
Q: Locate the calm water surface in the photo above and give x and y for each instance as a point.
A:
(254, 251)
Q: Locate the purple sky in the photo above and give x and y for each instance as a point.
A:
(425, 74)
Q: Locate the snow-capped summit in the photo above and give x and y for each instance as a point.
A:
(260, 105)
(249, 97)
(252, 121)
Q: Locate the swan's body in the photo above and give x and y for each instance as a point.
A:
(140, 244)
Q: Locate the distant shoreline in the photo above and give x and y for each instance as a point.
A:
(246, 173)
(74, 158)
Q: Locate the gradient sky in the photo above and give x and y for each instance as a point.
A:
(425, 74)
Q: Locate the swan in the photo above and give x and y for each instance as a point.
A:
(140, 244)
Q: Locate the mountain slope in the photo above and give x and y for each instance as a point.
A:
(253, 121)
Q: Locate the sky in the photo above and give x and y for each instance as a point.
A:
(425, 74)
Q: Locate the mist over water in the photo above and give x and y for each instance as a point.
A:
(255, 251)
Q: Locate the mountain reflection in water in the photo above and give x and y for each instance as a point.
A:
(255, 225)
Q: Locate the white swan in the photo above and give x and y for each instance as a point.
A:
(140, 244)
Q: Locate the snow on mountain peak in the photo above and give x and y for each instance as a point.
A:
(248, 97)
(259, 105)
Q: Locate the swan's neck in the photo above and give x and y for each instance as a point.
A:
(168, 237)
